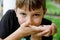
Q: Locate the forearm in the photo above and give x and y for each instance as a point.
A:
(17, 35)
(36, 38)
(1, 39)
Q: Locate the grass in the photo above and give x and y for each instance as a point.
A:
(55, 20)
(51, 8)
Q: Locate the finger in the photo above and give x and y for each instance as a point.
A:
(36, 28)
(54, 29)
(40, 28)
(44, 27)
(0, 39)
(25, 24)
(48, 34)
(50, 31)
(42, 33)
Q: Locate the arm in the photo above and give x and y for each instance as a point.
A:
(46, 35)
(17, 35)
(36, 38)
(21, 32)
(4, 28)
(1, 39)
(5, 25)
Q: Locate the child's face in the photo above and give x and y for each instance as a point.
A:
(33, 17)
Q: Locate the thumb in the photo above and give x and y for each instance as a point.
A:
(25, 24)
(36, 28)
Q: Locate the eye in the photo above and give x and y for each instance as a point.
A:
(23, 14)
(36, 14)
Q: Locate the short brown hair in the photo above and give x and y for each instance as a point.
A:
(34, 4)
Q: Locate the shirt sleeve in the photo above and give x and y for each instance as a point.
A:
(47, 22)
(4, 25)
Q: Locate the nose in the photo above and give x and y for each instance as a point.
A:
(29, 20)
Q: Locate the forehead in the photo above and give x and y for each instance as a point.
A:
(31, 3)
(26, 9)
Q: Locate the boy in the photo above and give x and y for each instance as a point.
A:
(28, 19)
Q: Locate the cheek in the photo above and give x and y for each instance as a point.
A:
(21, 19)
(37, 21)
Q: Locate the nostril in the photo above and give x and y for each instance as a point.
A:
(27, 25)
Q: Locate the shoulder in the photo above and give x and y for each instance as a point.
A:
(10, 13)
(46, 21)
(8, 23)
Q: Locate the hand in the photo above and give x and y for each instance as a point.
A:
(27, 29)
(23, 30)
(0, 39)
(47, 30)
(39, 34)
(54, 28)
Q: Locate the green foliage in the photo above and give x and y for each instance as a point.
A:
(55, 20)
(52, 8)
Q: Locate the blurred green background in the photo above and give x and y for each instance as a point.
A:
(53, 14)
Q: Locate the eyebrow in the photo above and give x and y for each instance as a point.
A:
(22, 12)
(34, 11)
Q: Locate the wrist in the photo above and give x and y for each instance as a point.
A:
(20, 33)
(17, 35)
(1, 39)
(35, 38)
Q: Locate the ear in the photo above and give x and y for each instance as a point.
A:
(15, 9)
(45, 10)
